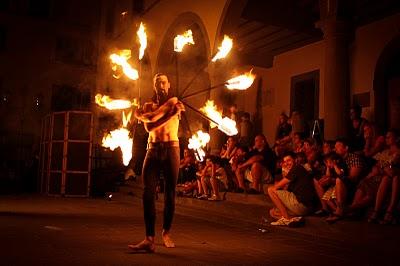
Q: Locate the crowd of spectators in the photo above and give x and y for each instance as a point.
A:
(356, 176)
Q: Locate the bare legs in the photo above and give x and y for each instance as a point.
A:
(278, 203)
(382, 194)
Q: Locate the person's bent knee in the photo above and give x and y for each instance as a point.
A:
(339, 182)
(271, 190)
(256, 166)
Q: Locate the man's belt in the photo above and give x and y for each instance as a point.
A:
(162, 144)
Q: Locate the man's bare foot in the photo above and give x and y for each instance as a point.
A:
(146, 245)
(167, 240)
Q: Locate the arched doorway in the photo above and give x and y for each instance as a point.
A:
(387, 87)
(181, 68)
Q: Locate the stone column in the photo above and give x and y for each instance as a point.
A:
(337, 34)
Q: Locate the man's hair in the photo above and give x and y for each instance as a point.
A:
(284, 115)
(344, 141)
(357, 109)
(155, 98)
(332, 156)
(156, 76)
(246, 115)
(262, 136)
(245, 149)
(289, 153)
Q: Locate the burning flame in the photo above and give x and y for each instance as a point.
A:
(197, 142)
(226, 125)
(141, 33)
(241, 82)
(181, 40)
(121, 59)
(224, 49)
(119, 138)
(126, 118)
(111, 104)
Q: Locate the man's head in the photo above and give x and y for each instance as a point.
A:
(341, 147)
(231, 141)
(260, 142)
(355, 112)
(245, 116)
(161, 87)
(233, 108)
(288, 160)
(283, 118)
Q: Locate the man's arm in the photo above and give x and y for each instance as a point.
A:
(154, 116)
(281, 184)
(164, 119)
(251, 160)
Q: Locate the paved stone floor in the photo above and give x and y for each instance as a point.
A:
(37, 230)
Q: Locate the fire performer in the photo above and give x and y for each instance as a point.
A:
(161, 120)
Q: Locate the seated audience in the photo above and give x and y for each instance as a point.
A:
(297, 143)
(294, 195)
(187, 167)
(345, 187)
(212, 177)
(374, 143)
(389, 164)
(259, 165)
(228, 150)
(325, 186)
(328, 147)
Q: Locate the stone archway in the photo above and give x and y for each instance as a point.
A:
(386, 78)
(182, 67)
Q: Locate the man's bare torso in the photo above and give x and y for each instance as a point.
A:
(162, 131)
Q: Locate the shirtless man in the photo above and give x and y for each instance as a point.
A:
(161, 120)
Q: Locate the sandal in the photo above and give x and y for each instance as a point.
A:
(373, 218)
(388, 219)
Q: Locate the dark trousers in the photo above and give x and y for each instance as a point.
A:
(160, 157)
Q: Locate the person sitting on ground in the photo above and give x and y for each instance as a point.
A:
(199, 173)
(227, 153)
(345, 187)
(213, 173)
(309, 146)
(325, 186)
(297, 142)
(389, 186)
(368, 188)
(259, 166)
(238, 158)
(328, 146)
(294, 195)
(374, 143)
(228, 150)
(187, 167)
